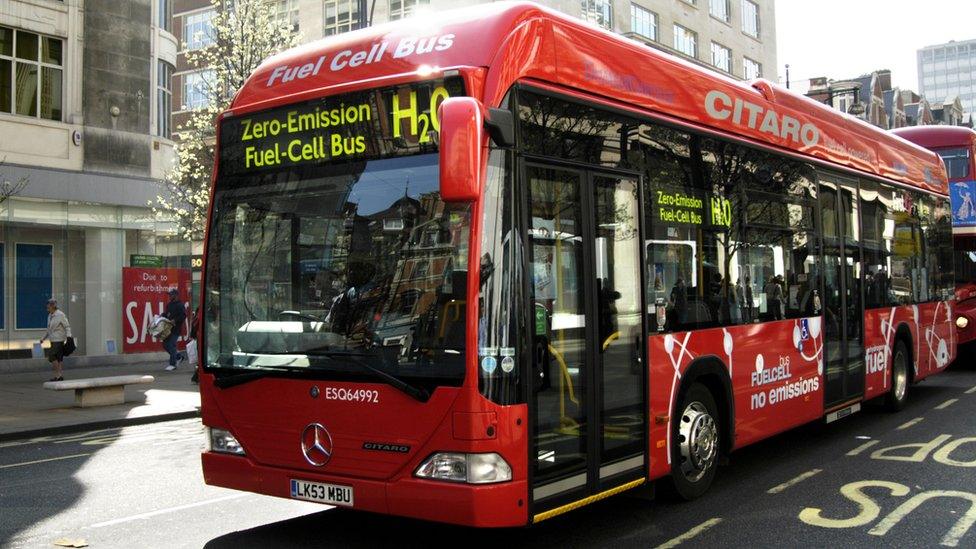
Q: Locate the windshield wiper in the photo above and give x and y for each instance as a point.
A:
(355, 357)
(233, 380)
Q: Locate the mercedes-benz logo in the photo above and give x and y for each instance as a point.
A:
(316, 444)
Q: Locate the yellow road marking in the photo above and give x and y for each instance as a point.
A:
(946, 404)
(792, 482)
(863, 447)
(909, 423)
(690, 534)
(42, 461)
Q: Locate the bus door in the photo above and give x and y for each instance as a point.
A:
(587, 400)
(843, 308)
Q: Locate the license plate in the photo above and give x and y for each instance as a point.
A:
(318, 492)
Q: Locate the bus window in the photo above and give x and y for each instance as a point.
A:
(956, 162)
(500, 282)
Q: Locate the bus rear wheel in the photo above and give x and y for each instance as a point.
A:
(696, 440)
(896, 399)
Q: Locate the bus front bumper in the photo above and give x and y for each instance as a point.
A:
(490, 505)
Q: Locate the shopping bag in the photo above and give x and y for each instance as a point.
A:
(191, 352)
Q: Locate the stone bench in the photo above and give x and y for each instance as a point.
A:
(98, 391)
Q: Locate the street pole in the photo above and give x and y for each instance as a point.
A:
(787, 76)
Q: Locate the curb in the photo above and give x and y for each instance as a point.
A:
(96, 425)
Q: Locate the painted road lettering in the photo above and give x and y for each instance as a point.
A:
(942, 448)
(868, 510)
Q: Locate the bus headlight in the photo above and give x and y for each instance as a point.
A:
(469, 468)
(962, 322)
(221, 441)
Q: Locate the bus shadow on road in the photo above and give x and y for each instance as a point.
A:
(619, 517)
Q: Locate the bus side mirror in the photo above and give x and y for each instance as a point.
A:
(461, 135)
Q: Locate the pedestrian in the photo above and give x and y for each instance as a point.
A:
(175, 313)
(774, 297)
(194, 326)
(58, 331)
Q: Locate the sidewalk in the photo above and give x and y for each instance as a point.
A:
(27, 409)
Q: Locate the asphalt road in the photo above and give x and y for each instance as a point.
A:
(850, 483)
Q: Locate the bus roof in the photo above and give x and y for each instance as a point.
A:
(524, 41)
(934, 137)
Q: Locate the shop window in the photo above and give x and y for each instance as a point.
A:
(33, 284)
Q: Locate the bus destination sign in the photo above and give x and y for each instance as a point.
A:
(374, 124)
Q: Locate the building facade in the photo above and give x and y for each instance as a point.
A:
(872, 98)
(735, 37)
(948, 70)
(84, 141)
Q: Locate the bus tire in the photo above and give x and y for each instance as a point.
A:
(897, 397)
(695, 444)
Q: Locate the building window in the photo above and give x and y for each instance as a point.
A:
(31, 75)
(198, 30)
(750, 18)
(164, 98)
(750, 69)
(393, 224)
(286, 13)
(720, 9)
(195, 89)
(643, 22)
(599, 12)
(34, 284)
(722, 57)
(341, 16)
(164, 15)
(405, 8)
(685, 41)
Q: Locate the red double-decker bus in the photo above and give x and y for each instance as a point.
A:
(957, 147)
(494, 266)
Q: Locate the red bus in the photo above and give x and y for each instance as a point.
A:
(493, 267)
(957, 147)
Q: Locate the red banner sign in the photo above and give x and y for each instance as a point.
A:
(145, 293)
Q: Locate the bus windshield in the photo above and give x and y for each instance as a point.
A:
(340, 262)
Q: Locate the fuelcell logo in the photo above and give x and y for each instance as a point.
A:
(374, 53)
(721, 106)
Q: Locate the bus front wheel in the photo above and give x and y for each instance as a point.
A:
(695, 443)
(898, 396)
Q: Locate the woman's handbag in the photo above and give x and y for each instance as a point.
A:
(69, 346)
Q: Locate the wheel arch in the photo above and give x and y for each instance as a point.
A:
(711, 372)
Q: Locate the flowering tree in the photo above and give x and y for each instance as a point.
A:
(242, 34)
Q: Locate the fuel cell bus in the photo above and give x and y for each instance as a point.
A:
(491, 266)
(957, 147)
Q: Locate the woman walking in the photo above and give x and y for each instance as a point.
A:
(58, 331)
